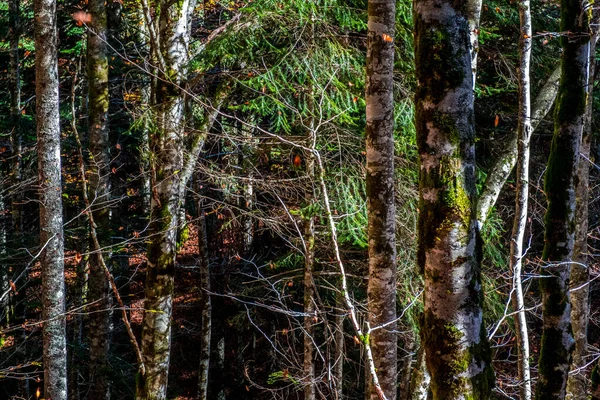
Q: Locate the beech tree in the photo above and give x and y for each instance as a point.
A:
(453, 333)
(50, 189)
(381, 290)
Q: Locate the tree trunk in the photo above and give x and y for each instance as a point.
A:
(167, 162)
(309, 286)
(577, 383)
(339, 354)
(205, 303)
(520, 220)
(453, 334)
(99, 184)
(561, 174)
(381, 290)
(51, 222)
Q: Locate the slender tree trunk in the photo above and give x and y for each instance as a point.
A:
(557, 340)
(420, 380)
(577, 383)
(309, 286)
(18, 300)
(167, 163)
(205, 303)
(520, 220)
(51, 229)
(453, 334)
(99, 184)
(381, 290)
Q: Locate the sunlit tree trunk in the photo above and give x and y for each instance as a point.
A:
(520, 219)
(51, 222)
(453, 334)
(571, 104)
(99, 185)
(166, 148)
(577, 383)
(381, 290)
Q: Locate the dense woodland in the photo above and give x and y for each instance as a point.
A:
(299, 199)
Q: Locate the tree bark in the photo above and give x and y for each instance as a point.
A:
(577, 383)
(520, 219)
(381, 231)
(99, 185)
(205, 304)
(167, 162)
(453, 334)
(557, 340)
(51, 222)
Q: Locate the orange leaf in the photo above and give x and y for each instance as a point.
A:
(387, 38)
(497, 120)
(78, 257)
(118, 146)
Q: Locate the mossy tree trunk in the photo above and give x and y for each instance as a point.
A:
(50, 190)
(381, 289)
(99, 185)
(557, 339)
(453, 334)
(577, 383)
(520, 219)
(166, 149)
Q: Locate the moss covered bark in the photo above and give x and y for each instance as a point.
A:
(381, 290)
(166, 150)
(557, 339)
(453, 335)
(99, 184)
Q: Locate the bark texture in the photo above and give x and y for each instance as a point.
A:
(166, 147)
(381, 289)
(309, 287)
(520, 219)
(51, 222)
(577, 383)
(453, 334)
(557, 339)
(206, 306)
(99, 185)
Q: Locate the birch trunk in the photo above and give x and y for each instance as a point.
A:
(381, 231)
(99, 184)
(557, 340)
(453, 334)
(520, 220)
(166, 162)
(577, 383)
(51, 222)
